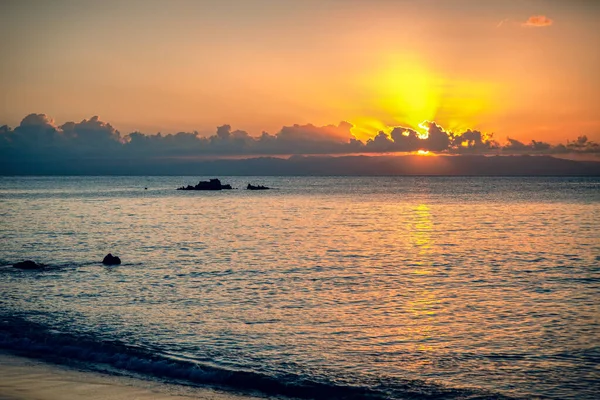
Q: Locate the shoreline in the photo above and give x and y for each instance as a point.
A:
(23, 378)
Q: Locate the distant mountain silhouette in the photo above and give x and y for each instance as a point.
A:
(476, 165)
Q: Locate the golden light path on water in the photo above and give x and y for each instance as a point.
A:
(423, 301)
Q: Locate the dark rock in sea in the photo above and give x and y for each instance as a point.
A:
(109, 259)
(213, 184)
(259, 187)
(28, 264)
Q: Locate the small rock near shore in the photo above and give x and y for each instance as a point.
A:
(109, 259)
(28, 264)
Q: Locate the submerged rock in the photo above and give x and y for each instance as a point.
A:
(28, 264)
(259, 187)
(109, 259)
(213, 184)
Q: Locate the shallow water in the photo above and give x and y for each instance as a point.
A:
(384, 287)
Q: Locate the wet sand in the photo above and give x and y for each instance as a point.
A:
(27, 379)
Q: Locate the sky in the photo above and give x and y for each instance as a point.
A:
(521, 69)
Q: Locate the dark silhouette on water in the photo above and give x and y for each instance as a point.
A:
(213, 184)
(109, 259)
(28, 264)
(259, 187)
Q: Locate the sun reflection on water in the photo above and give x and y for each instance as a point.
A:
(420, 237)
(423, 303)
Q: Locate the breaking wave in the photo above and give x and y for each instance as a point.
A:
(32, 339)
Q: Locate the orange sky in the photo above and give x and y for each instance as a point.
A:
(260, 64)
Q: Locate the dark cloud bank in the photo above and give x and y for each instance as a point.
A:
(38, 146)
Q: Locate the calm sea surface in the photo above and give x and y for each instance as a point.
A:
(333, 287)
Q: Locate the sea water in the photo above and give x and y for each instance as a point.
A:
(322, 287)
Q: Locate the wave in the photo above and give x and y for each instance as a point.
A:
(32, 339)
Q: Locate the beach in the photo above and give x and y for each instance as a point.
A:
(27, 379)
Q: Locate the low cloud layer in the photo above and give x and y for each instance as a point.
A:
(538, 21)
(38, 137)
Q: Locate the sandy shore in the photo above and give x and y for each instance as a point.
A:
(27, 379)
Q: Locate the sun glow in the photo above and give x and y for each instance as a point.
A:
(423, 152)
(425, 134)
(406, 91)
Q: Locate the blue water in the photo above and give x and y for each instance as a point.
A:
(329, 287)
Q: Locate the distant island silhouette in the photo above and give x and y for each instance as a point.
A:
(462, 165)
(213, 184)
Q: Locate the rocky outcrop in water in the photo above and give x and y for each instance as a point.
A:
(109, 259)
(213, 184)
(28, 264)
(259, 187)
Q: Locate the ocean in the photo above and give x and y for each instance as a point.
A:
(321, 288)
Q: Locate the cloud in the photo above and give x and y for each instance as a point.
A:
(582, 145)
(37, 135)
(538, 21)
(502, 22)
(39, 139)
